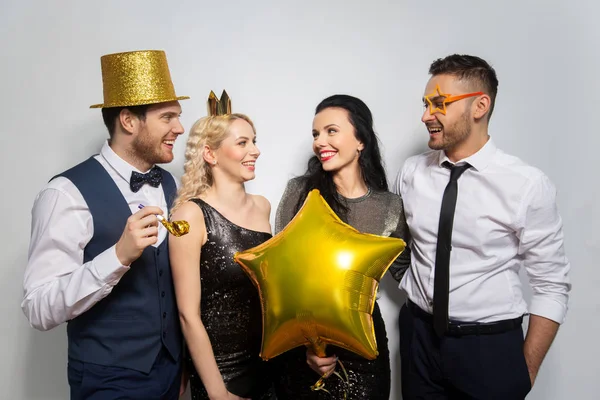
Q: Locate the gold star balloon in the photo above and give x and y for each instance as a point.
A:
(317, 280)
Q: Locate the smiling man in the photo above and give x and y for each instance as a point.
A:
(98, 262)
(476, 216)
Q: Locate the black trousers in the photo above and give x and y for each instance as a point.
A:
(485, 367)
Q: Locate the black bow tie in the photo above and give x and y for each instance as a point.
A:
(153, 178)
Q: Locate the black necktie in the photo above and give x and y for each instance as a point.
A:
(152, 177)
(441, 283)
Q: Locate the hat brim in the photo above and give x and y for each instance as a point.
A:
(139, 102)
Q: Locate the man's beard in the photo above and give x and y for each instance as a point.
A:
(453, 135)
(146, 150)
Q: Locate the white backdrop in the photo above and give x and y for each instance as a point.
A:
(277, 61)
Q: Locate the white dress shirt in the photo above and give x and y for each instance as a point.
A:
(506, 218)
(58, 285)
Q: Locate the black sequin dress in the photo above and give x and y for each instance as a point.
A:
(379, 213)
(230, 310)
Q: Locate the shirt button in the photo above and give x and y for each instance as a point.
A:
(164, 315)
(163, 293)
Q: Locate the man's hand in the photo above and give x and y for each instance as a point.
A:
(140, 232)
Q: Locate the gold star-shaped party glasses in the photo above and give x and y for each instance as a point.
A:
(437, 100)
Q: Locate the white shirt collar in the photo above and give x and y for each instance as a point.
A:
(480, 160)
(122, 167)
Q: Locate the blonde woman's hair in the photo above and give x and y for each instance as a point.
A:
(197, 176)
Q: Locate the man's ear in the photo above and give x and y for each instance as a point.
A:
(481, 106)
(129, 121)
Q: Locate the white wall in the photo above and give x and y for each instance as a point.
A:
(277, 61)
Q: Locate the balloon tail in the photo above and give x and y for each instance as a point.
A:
(308, 326)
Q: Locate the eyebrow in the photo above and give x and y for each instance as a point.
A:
(169, 114)
(244, 137)
(434, 99)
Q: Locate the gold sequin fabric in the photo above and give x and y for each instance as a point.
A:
(136, 78)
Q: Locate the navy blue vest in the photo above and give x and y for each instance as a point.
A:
(129, 326)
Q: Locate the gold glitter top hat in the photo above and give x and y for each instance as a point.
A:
(220, 106)
(136, 78)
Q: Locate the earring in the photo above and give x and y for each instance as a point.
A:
(215, 162)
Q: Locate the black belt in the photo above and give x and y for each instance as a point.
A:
(469, 328)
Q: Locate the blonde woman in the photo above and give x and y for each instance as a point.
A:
(218, 306)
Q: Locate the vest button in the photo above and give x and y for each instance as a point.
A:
(164, 315)
(162, 293)
(164, 334)
(158, 252)
(160, 272)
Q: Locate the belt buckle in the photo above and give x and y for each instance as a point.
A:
(463, 328)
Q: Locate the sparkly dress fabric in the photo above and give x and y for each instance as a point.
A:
(230, 310)
(379, 213)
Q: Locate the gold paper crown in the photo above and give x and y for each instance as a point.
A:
(136, 78)
(220, 106)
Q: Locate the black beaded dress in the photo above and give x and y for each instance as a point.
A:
(379, 213)
(230, 310)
